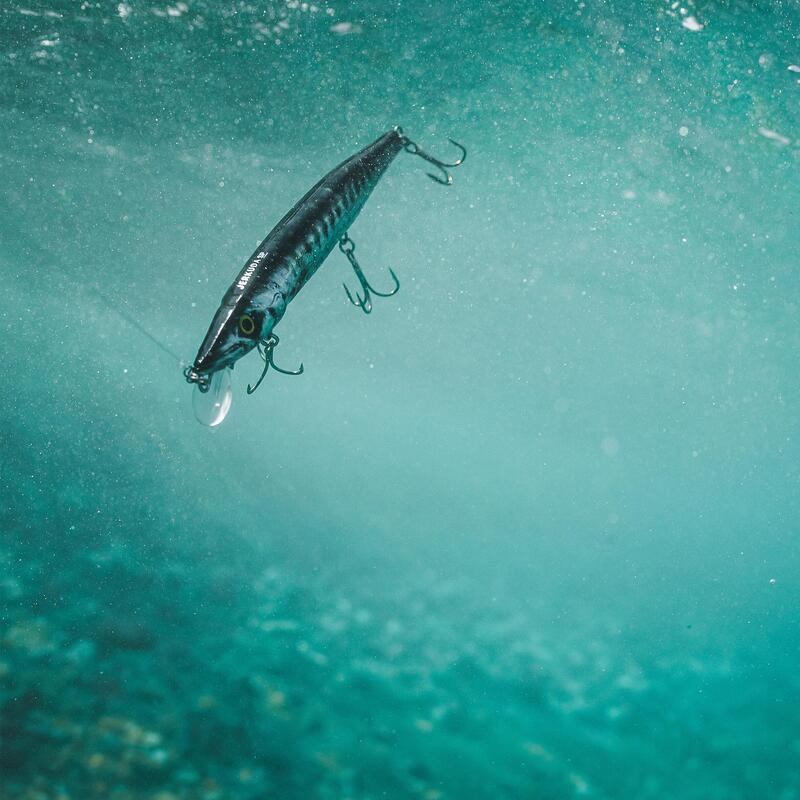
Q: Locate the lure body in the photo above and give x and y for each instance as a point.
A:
(292, 252)
(285, 261)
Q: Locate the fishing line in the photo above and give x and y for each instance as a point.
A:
(133, 322)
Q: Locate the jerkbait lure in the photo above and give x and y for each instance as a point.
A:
(285, 261)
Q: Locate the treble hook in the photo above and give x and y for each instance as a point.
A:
(414, 149)
(266, 349)
(347, 246)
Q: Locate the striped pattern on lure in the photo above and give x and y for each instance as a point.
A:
(286, 260)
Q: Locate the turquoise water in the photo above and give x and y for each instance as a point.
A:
(527, 530)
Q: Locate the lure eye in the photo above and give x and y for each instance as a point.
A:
(246, 324)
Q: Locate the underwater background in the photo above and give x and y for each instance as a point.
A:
(529, 530)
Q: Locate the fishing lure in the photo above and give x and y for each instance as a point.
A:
(285, 261)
